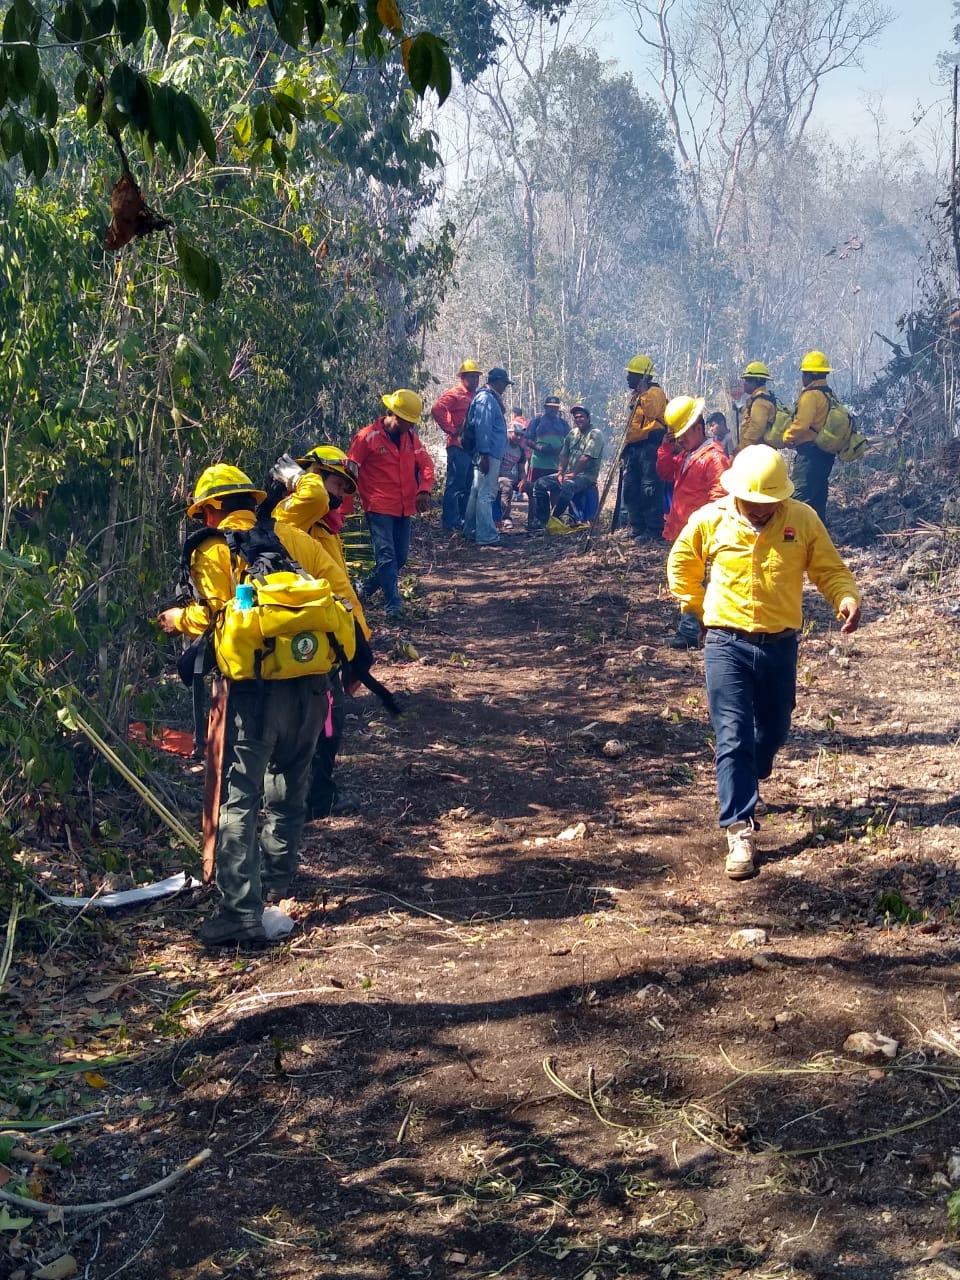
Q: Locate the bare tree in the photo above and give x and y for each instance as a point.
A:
(740, 78)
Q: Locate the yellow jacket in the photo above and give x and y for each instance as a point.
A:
(305, 510)
(757, 415)
(307, 505)
(809, 415)
(646, 414)
(213, 577)
(756, 575)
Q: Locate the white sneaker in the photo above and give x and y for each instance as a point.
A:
(740, 851)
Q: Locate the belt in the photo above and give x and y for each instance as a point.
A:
(758, 637)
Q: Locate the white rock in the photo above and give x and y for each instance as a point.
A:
(953, 1168)
(871, 1044)
(577, 832)
(747, 938)
(276, 923)
(613, 749)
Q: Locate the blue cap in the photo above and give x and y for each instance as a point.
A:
(499, 375)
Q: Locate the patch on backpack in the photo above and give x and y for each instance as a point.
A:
(304, 646)
(789, 535)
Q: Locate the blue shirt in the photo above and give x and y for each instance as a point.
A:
(486, 411)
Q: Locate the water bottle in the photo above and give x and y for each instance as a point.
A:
(245, 597)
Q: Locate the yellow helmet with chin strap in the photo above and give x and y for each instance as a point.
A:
(756, 369)
(642, 365)
(217, 482)
(327, 457)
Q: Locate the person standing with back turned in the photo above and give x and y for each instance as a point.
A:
(449, 413)
(811, 465)
(759, 543)
(485, 436)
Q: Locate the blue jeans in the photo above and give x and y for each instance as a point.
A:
(390, 536)
(478, 523)
(457, 488)
(811, 475)
(752, 690)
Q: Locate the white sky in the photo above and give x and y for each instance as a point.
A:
(900, 68)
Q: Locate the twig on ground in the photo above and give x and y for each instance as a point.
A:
(126, 1264)
(33, 1128)
(7, 956)
(404, 1125)
(145, 1193)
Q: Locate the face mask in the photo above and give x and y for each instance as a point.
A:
(335, 501)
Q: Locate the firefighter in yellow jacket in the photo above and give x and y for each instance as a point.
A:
(811, 465)
(642, 487)
(759, 543)
(272, 726)
(760, 408)
(328, 476)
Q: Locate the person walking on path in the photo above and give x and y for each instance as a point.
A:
(450, 413)
(579, 468)
(642, 487)
(759, 543)
(272, 725)
(394, 476)
(545, 437)
(694, 466)
(486, 435)
(760, 406)
(811, 465)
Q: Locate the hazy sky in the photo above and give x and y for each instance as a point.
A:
(901, 67)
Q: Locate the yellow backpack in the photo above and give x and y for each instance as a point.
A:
(293, 624)
(836, 433)
(773, 435)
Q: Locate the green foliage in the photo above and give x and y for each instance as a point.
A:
(134, 96)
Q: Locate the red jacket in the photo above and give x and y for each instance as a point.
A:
(390, 477)
(695, 478)
(450, 412)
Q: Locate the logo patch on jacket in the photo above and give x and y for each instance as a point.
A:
(789, 535)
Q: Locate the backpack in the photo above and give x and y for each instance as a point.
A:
(468, 436)
(783, 416)
(297, 627)
(836, 434)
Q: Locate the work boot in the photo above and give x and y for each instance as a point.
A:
(220, 931)
(740, 851)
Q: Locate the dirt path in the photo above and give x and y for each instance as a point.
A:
(496, 1050)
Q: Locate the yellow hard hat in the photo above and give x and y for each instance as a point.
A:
(469, 366)
(405, 404)
(815, 362)
(218, 481)
(327, 457)
(758, 474)
(642, 365)
(756, 369)
(682, 413)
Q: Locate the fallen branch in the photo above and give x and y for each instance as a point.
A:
(145, 1193)
(34, 1127)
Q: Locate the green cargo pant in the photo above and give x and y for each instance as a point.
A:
(270, 737)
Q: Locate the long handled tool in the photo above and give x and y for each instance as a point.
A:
(614, 469)
(213, 774)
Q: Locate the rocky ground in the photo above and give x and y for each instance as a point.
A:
(526, 1027)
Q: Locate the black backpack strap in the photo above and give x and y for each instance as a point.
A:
(186, 589)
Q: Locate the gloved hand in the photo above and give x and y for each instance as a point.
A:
(363, 658)
(287, 471)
